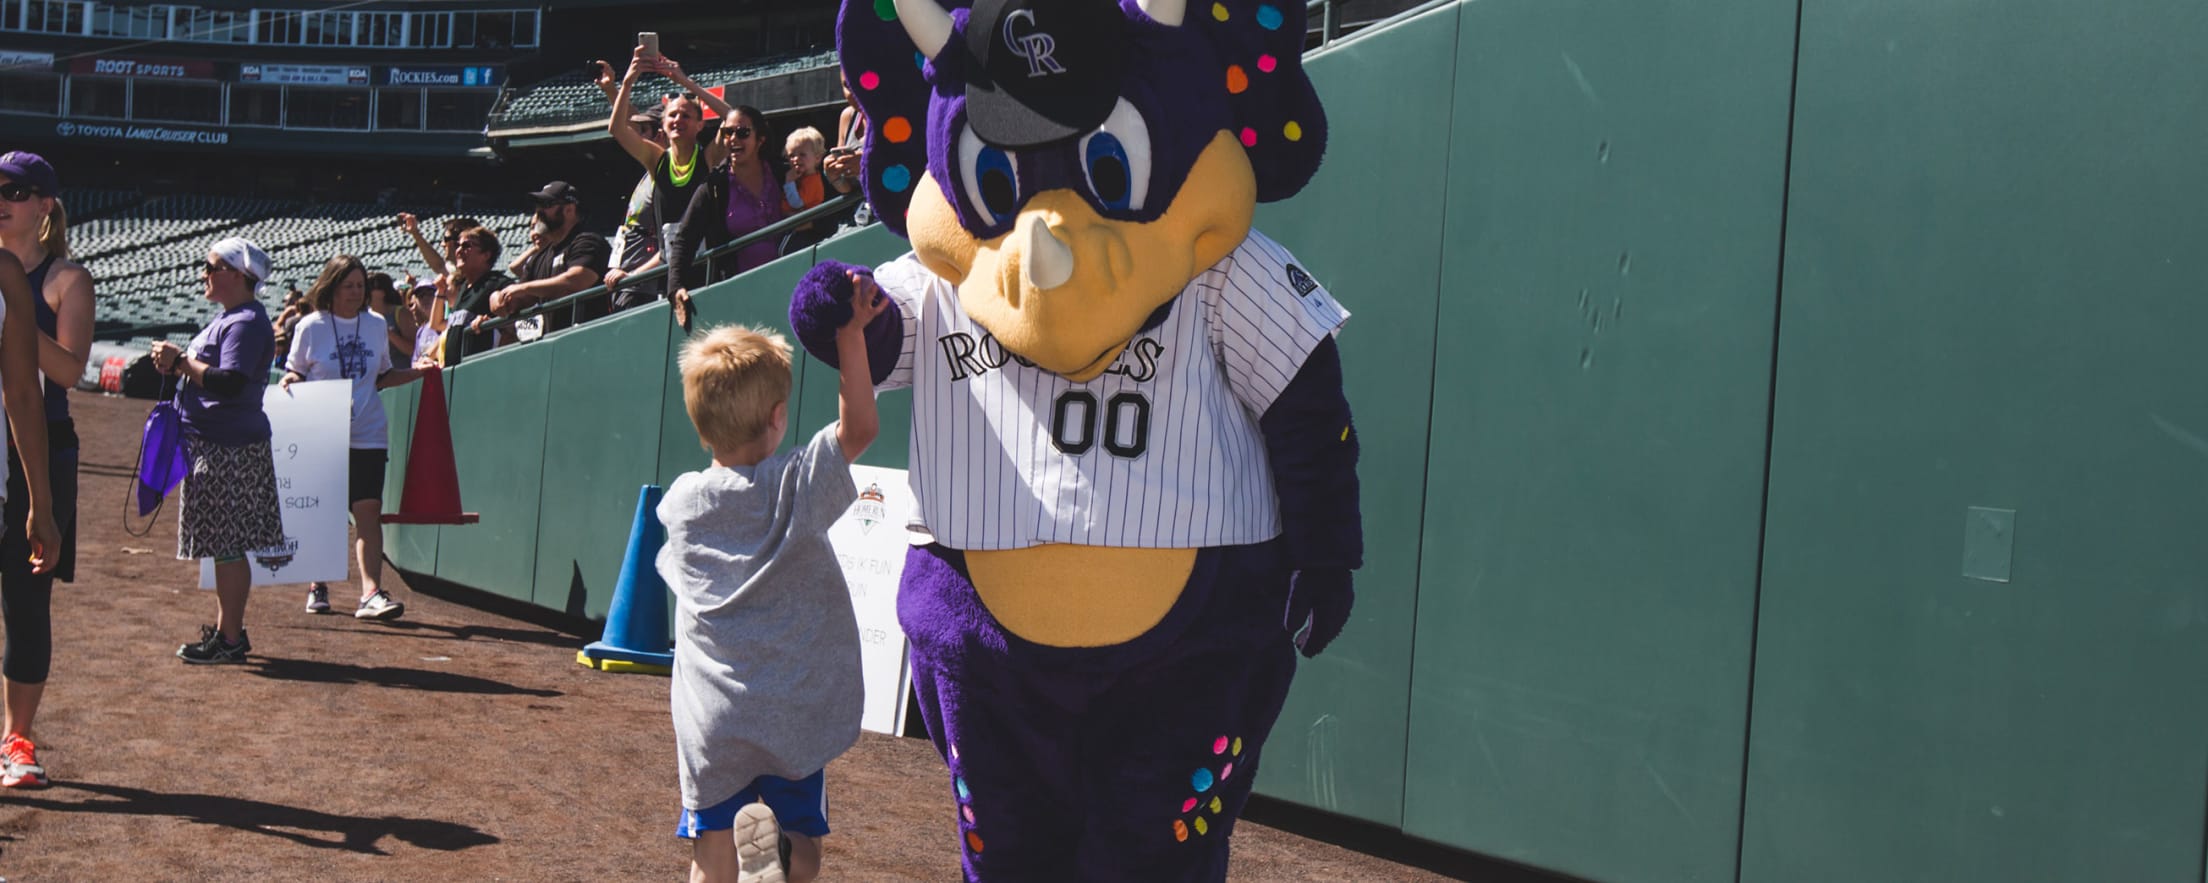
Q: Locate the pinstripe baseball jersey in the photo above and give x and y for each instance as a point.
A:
(1160, 451)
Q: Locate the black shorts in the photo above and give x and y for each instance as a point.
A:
(364, 474)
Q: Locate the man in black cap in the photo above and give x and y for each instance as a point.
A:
(571, 261)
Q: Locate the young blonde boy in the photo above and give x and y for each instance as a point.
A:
(767, 686)
(803, 186)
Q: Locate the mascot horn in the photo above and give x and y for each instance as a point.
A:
(1130, 443)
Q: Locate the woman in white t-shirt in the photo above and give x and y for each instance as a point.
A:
(343, 339)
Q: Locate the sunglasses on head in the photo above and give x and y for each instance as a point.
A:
(17, 191)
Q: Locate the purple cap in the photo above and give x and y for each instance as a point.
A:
(32, 169)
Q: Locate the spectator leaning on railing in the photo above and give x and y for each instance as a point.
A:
(383, 300)
(744, 196)
(842, 164)
(678, 161)
(468, 288)
(421, 306)
(571, 260)
(805, 185)
(636, 245)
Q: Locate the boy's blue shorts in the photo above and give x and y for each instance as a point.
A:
(800, 807)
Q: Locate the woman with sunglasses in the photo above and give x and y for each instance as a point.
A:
(230, 506)
(436, 259)
(346, 340)
(741, 197)
(679, 165)
(58, 294)
(467, 292)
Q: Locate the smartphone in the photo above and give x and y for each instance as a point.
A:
(650, 41)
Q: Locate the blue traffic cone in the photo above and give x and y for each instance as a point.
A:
(636, 625)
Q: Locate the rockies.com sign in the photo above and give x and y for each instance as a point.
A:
(478, 77)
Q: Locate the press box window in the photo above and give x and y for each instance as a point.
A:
(253, 105)
(176, 102)
(326, 108)
(399, 109)
(30, 93)
(454, 110)
(98, 97)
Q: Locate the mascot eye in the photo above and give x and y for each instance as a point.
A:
(1116, 159)
(992, 178)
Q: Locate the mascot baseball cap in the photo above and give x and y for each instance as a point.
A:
(1045, 70)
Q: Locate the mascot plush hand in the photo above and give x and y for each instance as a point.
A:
(1130, 443)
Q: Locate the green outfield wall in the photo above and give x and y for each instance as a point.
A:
(1786, 455)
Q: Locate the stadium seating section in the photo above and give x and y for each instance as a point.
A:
(572, 98)
(146, 252)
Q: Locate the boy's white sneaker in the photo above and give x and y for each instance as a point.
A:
(758, 845)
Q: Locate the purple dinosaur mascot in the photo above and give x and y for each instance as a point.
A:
(1130, 444)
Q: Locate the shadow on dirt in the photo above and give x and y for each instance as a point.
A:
(486, 632)
(353, 833)
(314, 672)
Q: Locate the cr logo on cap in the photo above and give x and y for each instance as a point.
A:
(1032, 44)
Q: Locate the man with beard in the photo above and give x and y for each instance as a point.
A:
(572, 260)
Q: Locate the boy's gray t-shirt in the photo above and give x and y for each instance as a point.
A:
(766, 678)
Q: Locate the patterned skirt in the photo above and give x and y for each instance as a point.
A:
(230, 506)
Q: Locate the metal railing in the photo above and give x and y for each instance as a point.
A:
(573, 303)
(1330, 19)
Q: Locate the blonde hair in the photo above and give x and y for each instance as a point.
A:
(806, 136)
(53, 233)
(732, 377)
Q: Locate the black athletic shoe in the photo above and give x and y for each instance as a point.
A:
(213, 650)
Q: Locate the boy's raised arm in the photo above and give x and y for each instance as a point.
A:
(857, 420)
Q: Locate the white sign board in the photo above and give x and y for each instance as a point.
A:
(313, 431)
(15, 58)
(870, 541)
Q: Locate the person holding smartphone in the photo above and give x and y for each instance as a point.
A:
(842, 164)
(681, 163)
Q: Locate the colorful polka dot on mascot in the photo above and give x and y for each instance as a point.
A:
(1130, 442)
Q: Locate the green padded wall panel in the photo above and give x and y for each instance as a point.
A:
(759, 298)
(1993, 300)
(1375, 242)
(1586, 594)
(499, 404)
(871, 247)
(601, 445)
(411, 546)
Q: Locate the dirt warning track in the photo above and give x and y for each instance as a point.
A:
(453, 744)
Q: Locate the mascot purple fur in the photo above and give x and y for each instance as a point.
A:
(1130, 441)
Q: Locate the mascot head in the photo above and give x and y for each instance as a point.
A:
(1072, 164)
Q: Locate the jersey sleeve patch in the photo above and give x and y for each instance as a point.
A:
(1267, 313)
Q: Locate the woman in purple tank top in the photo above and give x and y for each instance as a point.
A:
(34, 229)
(738, 198)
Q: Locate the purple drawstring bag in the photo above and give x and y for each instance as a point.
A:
(161, 459)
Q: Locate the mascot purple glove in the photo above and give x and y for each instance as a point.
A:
(1130, 443)
(1318, 607)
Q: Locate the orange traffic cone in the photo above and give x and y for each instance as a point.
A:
(432, 491)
